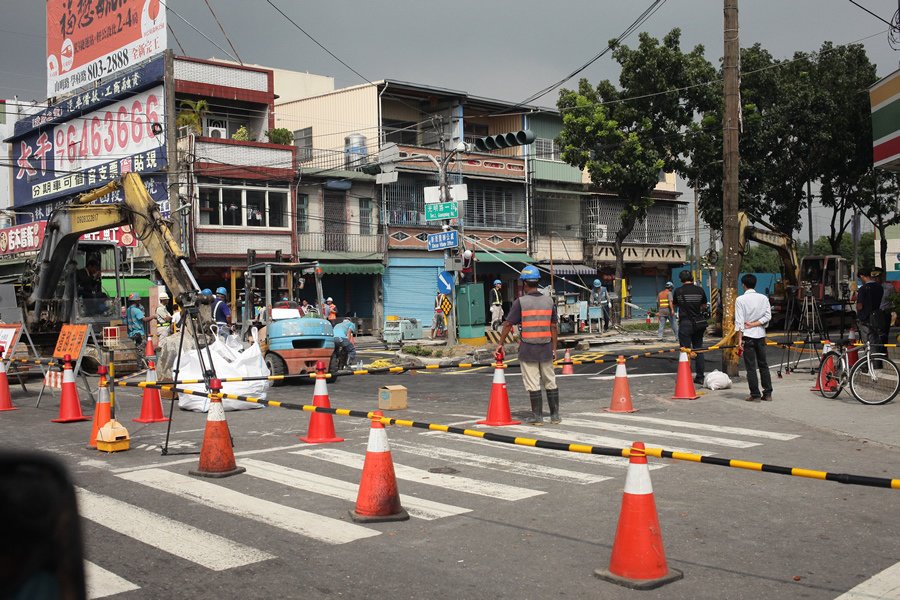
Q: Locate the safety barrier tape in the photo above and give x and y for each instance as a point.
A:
(845, 478)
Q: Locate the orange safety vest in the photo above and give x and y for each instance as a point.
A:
(662, 300)
(537, 312)
(332, 313)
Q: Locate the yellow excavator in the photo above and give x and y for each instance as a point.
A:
(54, 286)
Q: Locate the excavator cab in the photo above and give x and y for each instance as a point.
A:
(97, 284)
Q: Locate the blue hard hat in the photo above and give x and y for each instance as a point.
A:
(221, 290)
(497, 282)
(530, 273)
(206, 292)
(597, 283)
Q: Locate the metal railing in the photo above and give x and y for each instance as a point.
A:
(340, 242)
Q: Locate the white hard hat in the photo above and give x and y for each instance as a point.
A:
(467, 254)
(329, 299)
(163, 295)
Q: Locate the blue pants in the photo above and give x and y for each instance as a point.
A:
(662, 326)
(349, 347)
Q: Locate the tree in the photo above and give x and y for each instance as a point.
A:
(625, 137)
(882, 209)
(281, 136)
(191, 115)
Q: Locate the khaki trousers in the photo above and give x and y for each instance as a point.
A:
(536, 373)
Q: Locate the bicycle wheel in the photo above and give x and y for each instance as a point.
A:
(832, 377)
(874, 379)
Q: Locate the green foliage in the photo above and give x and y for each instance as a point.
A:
(417, 350)
(281, 136)
(241, 135)
(191, 115)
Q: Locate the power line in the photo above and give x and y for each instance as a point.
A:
(222, 29)
(191, 25)
(888, 23)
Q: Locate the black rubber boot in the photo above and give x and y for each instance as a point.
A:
(537, 408)
(553, 403)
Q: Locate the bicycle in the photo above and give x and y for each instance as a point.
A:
(873, 379)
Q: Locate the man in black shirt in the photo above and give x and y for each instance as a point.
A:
(690, 300)
(868, 315)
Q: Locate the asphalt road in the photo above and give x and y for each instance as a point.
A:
(489, 520)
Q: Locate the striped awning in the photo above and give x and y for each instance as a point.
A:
(570, 269)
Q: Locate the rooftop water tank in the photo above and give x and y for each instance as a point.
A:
(355, 151)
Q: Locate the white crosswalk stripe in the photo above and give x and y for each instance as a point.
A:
(450, 482)
(641, 431)
(336, 488)
(325, 529)
(101, 583)
(770, 435)
(557, 433)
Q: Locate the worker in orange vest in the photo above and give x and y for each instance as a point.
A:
(666, 310)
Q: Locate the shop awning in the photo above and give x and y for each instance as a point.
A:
(570, 269)
(129, 285)
(352, 268)
(511, 257)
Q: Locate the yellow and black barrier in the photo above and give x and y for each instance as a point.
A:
(845, 478)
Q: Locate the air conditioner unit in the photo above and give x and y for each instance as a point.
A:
(600, 232)
(218, 132)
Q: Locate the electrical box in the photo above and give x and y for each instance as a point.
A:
(401, 329)
(470, 314)
(454, 263)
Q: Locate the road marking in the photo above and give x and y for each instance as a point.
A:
(884, 586)
(325, 529)
(342, 490)
(586, 438)
(771, 435)
(101, 583)
(634, 376)
(639, 431)
(184, 461)
(200, 547)
(450, 482)
(499, 464)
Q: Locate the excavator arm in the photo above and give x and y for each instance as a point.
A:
(782, 243)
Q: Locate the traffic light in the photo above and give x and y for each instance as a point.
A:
(373, 168)
(504, 140)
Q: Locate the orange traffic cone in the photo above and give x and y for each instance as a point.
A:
(216, 454)
(378, 499)
(151, 407)
(498, 407)
(149, 352)
(567, 364)
(827, 369)
(684, 384)
(638, 559)
(321, 425)
(648, 319)
(621, 396)
(5, 398)
(102, 412)
(69, 405)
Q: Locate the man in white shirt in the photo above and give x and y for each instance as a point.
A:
(752, 313)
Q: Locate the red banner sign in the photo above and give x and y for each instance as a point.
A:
(22, 238)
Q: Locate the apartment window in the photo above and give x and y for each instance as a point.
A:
(237, 204)
(546, 149)
(401, 132)
(365, 217)
(495, 206)
(302, 213)
(303, 140)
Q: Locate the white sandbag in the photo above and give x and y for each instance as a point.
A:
(717, 380)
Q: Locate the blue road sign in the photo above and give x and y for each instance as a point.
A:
(443, 240)
(445, 282)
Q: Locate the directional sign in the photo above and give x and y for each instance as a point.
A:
(441, 211)
(446, 305)
(445, 282)
(443, 240)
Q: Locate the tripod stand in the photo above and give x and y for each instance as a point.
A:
(809, 325)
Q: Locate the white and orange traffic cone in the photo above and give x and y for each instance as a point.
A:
(498, 413)
(378, 499)
(151, 405)
(684, 383)
(216, 454)
(321, 425)
(638, 559)
(822, 379)
(621, 395)
(5, 397)
(149, 351)
(69, 405)
(568, 369)
(102, 410)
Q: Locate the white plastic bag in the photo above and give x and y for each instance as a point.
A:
(234, 343)
(227, 363)
(717, 380)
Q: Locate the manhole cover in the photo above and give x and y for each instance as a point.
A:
(443, 470)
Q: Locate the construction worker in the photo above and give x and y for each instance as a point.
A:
(536, 313)
(330, 310)
(221, 314)
(600, 298)
(691, 302)
(344, 334)
(496, 305)
(666, 310)
(163, 318)
(439, 320)
(135, 319)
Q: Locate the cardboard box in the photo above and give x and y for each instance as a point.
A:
(392, 397)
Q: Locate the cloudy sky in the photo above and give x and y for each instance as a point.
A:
(504, 49)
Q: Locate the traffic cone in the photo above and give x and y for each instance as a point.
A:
(69, 405)
(102, 412)
(621, 395)
(638, 559)
(216, 454)
(149, 352)
(826, 369)
(378, 499)
(648, 319)
(684, 384)
(321, 425)
(568, 369)
(498, 407)
(5, 398)
(151, 407)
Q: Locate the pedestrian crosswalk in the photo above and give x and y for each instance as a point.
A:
(307, 490)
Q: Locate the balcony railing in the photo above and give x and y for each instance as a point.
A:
(317, 158)
(340, 242)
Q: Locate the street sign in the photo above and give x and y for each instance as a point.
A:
(384, 178)
(445, 282)
(441, 211)
(446, 305)
(459, 192)
(443, 240)
(432, 194)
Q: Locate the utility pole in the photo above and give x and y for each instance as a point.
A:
(697, 273)
(809, 200)
(731, 158)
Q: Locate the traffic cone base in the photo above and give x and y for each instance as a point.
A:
(216, 454)
(5, 398)
(321, 425)
(684, 384)
(151, 405)
(378, 499)
(621, 396)
(498, 407)
(69, 405)
(568, 369)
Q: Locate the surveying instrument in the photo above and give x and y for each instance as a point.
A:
(805, 327)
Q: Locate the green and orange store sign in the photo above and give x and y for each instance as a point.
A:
(884, 97)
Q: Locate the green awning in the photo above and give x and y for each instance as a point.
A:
(510, 257)
(352, 268)
(129, 285)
